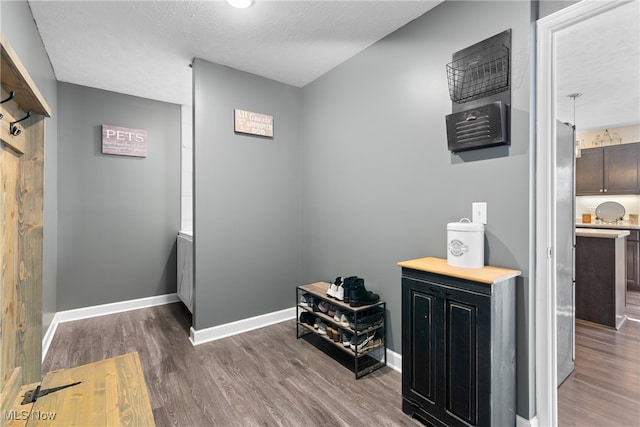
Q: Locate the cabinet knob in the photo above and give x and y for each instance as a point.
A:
(601, 190)
(605, 190)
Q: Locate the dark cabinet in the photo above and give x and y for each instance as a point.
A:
(458, 350)
(613, 169)
(633, 260)
(600, 278)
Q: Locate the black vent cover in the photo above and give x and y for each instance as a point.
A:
(480, 127)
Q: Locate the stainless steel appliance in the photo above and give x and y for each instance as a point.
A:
(565, 244)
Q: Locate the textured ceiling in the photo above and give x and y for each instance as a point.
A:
(600, 58)
(143, 48)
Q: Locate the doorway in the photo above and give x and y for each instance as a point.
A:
(547, 198)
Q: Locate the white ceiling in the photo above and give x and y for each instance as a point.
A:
(600, 58)
(143, 48)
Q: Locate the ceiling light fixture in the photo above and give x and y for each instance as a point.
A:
(577, 147)
(240, 4)
(574, 96)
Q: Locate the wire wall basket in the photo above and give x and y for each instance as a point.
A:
(480, 74)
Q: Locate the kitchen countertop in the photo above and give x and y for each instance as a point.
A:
(622, 225)
(601, 233)
(487, 274)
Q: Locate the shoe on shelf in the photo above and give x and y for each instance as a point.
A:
(317, 323)
(333, 333)
(376, 342)
(362, 341)
(346, 286)
(337, 336)
(332, 310)
(336, 315)
(346, 339)
(307, 318)
(340, 290)
(359, 295)
(306, 300)
(367, 318)
(333, 287)
(324, 306)
(322, 328)
(345, 319)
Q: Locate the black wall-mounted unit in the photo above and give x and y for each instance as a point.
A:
(480, 127)
(479, 80)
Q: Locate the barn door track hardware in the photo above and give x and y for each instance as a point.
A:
(32, 395)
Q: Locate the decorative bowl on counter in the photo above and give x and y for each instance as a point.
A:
(610, 212)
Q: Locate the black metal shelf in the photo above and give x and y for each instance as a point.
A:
(364, 361)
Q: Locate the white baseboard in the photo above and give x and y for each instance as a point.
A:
(523, 422)
(101, 310)
(244, 325)
(394, 360)
(48, 336)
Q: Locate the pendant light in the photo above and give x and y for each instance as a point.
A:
(577, 143)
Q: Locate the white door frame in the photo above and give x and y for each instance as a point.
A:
(545, 286)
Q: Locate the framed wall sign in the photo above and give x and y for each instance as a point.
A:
(123, 141)
(252, 123)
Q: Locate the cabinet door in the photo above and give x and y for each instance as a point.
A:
(589, 172)
(621, 163)
(633, 262)
(419, 336)
(464, 345)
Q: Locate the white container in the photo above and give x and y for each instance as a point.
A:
(465, 244)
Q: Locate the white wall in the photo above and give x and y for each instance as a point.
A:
(588, 204)
(186, 199)
(617, 135)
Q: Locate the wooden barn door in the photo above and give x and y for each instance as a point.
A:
(21, 226)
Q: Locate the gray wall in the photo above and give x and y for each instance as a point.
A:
(378, 183)
(21, 32)
(547, 7)
(247, 197)
(119, 216)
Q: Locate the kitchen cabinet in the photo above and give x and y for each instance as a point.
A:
(610, 170)
(633, 260)
(601, 276)
(458, 344)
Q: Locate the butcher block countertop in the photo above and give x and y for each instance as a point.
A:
(487, 274)
(601, 233)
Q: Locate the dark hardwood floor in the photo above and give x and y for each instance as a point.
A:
(265, 377)
(604, 388)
